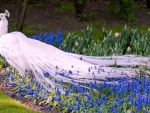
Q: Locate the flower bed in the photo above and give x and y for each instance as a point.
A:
(125, 95)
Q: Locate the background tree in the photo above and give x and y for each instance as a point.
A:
(79, 7)
(148, 3)
(20, 16)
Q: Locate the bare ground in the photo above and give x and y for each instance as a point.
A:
(48, 20)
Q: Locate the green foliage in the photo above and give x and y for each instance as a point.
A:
(130, 41)
(1, 63)
(28, 32)
(76, 6)
(40, 5)
(9, 105)
(91, 15)
(81, 2)
(65, 7)
(113, 6)
(124, 7)
(148, 13)
(79, 7)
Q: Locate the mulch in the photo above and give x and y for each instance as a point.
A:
(48, 20)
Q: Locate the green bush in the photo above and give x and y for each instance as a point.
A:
(1, 63)
(124, 7)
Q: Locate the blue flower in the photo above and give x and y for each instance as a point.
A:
(55, 80)
(26, 70)
(80, 58)
(70, 72)
(99, 103)
(12, 95)
(46, 74)
(19, 96)
(56, 98)
(49, 108)
(116, 99)
(28, 86)
(145, 111)
(61, 82)
(56, 67)
(88, 96)
(7, 75)
(121, 102)
(57, 91)
(89, 70)
(77, 107)
(12, 78)
(66, 92)
(37, 84)
(96, 100)
(92, 104)
(128, 98)
(13, 84)
(62, 74)
(69, 108)
(103, 98)
(84, 103)
(68, 51)
(6, 84)
(42, 108)
(77, 99)
(91, 85)
(31, 79)
(138, 107)
(31, 92)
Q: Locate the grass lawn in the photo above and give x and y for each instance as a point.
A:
(8, 105)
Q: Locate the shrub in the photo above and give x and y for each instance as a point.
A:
(124, 7)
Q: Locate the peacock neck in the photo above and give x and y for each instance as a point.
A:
(3, 28)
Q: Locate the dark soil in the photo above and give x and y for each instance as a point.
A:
(47, 20)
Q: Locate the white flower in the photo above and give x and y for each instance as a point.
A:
(84, 50)
(116, 35)
(88, 27)
(110, 33)
(76, 43)
(94, 48)
(104, 39)
(128, 49)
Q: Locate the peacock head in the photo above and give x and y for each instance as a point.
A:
(4, 15)
(4, 22)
